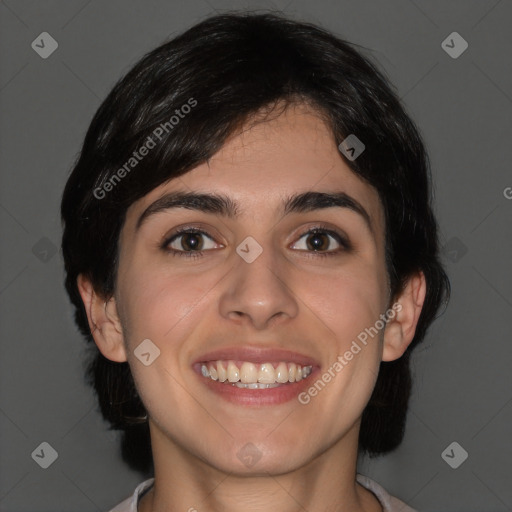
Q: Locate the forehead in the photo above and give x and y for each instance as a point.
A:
(269, 160)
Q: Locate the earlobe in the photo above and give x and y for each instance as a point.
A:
(401, 328)
(103, 321)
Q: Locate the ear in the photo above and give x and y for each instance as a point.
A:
(103, 321)
(401, 327)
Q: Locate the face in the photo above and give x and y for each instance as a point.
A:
(258, 288)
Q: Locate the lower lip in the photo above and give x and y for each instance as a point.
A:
(269, 396)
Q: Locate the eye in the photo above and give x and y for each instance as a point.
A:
(321, 240)
(189, 242)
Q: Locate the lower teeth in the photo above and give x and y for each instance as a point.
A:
(254, 385)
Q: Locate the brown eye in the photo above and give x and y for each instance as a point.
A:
(317, 242)
(322, 240)
(189, 242)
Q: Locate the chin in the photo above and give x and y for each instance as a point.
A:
(260, 458)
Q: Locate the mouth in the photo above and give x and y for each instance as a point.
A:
(247, 378)
(247, 375)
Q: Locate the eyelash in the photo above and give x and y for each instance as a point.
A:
(346, 246)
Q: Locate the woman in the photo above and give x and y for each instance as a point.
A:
(249, 241)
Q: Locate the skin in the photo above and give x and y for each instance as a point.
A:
(289, 297)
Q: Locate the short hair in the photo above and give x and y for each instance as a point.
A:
(231, 67)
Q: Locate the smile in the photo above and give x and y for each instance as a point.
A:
(254, 376)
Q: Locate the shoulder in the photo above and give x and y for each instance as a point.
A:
(389, 503)
(130, 504)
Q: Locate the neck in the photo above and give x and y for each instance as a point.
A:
(183, 482)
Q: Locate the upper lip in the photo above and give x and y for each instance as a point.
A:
(257, 355)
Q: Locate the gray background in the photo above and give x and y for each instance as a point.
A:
(463, 381)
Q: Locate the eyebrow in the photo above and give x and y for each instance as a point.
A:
(225, 206)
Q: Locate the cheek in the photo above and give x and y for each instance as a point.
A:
(348, 302)
(165, 308)
(161, 303)
(348, 305)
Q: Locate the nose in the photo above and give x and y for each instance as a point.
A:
(260, 292)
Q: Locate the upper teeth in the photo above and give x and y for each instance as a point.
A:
(250, 373)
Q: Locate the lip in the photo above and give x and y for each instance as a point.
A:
(257, 355)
